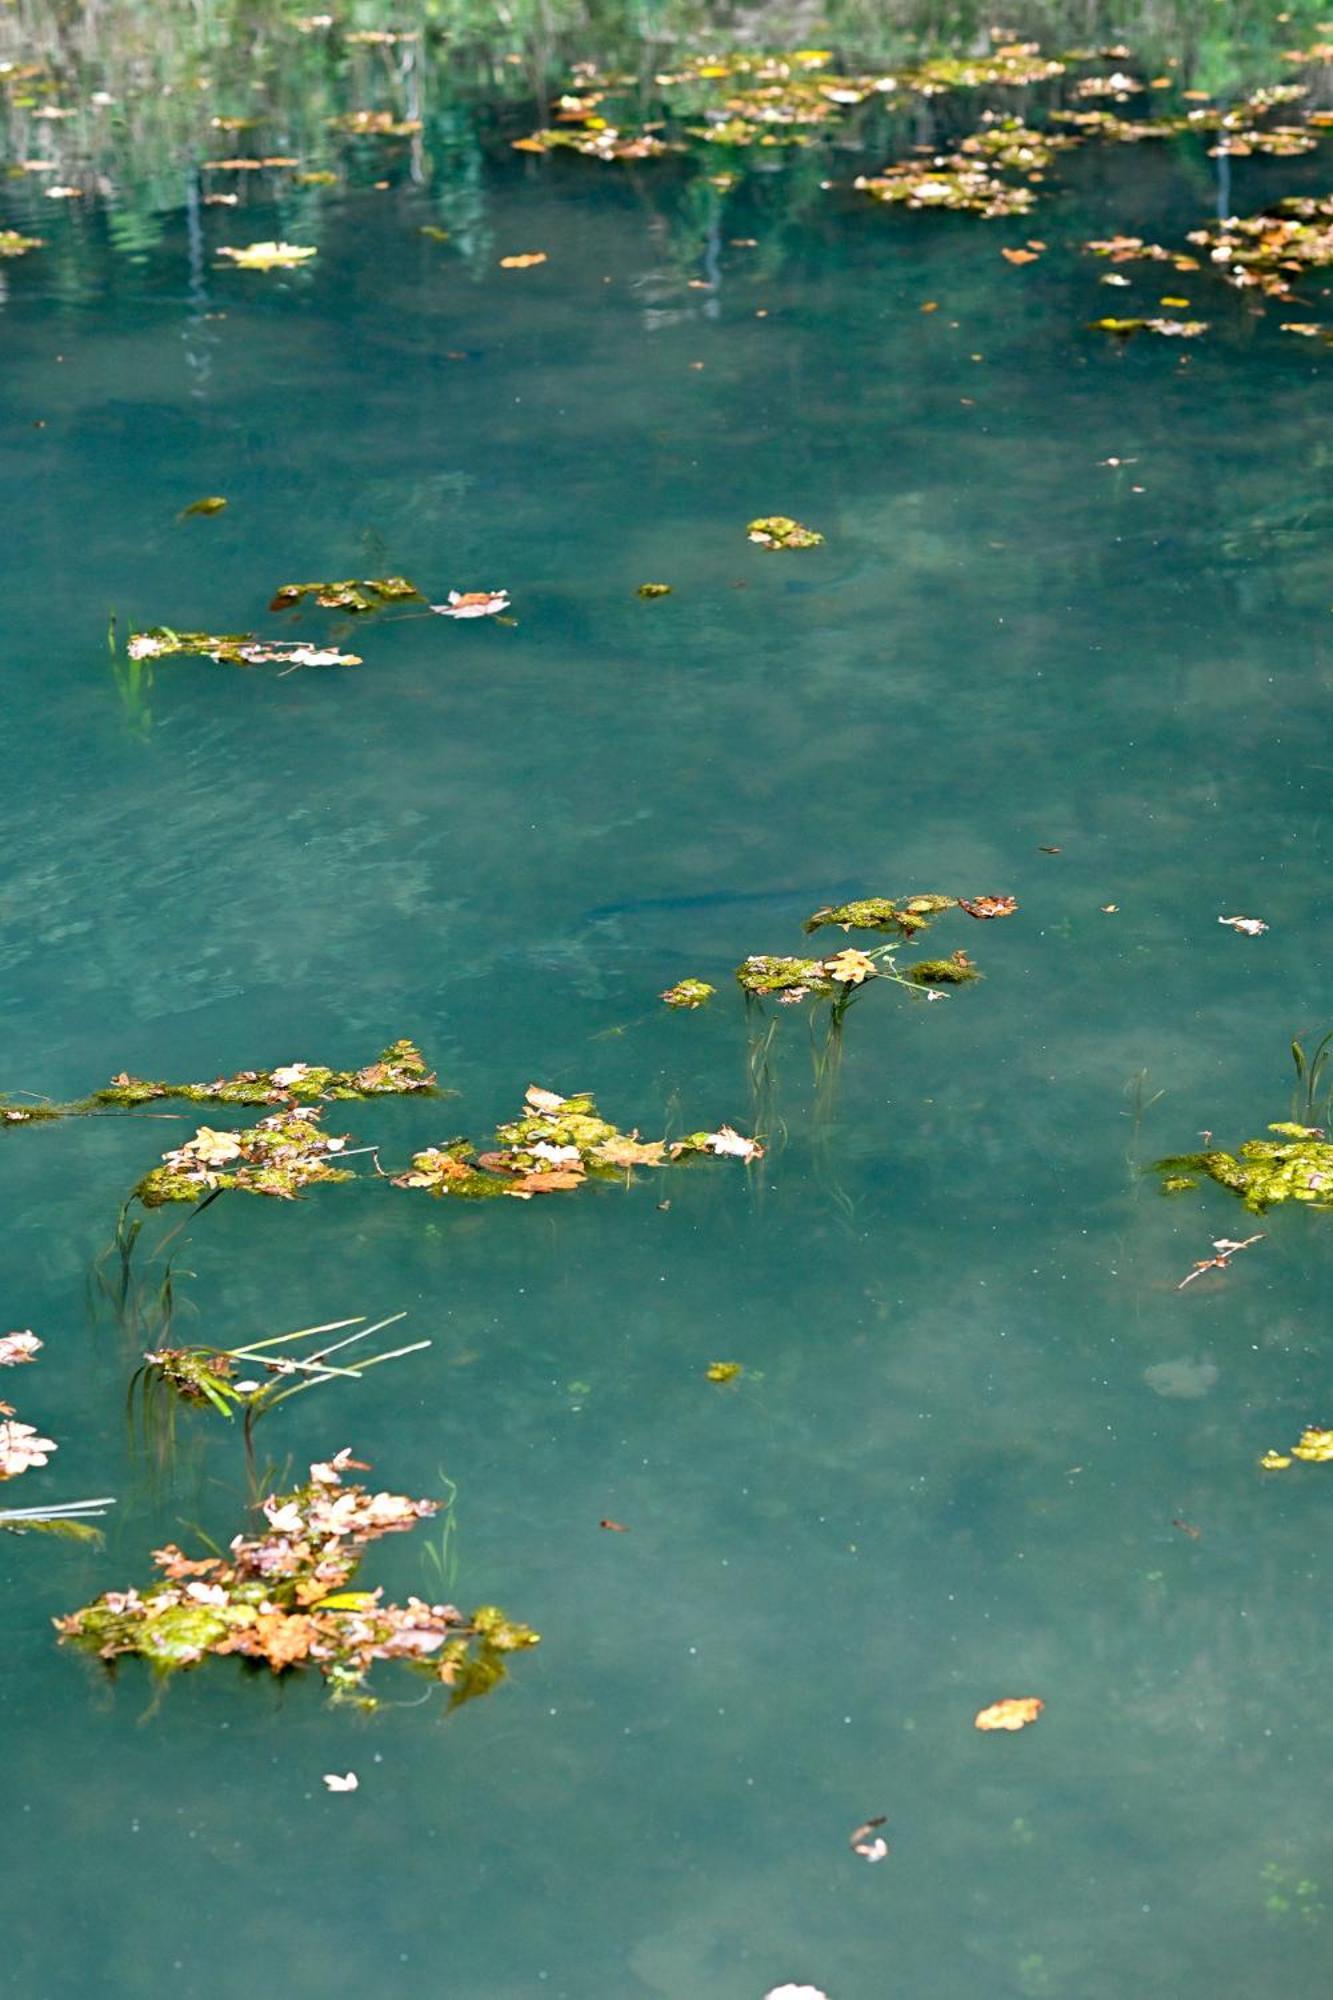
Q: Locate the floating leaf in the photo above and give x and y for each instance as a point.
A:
(337, 1784)
(1251, 926)
(213, 503)
(21, 1448)
(952, 182)
(13, 243)
(1014, 1713)
(653, 590)
(16, 1348)
(524, 261)
(398, 1071)
(724, 1371)
(1171, 329)
(473, 604)
(278, 1157)
(268, 256)
(241, 649)
(988, 906)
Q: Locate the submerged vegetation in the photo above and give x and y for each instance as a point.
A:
(282, 1599)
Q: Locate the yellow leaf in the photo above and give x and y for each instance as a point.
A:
(523, 262)
(1275, 1461)
(723, 1371)
(1011, 1714)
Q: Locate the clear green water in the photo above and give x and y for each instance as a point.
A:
(947, 1474)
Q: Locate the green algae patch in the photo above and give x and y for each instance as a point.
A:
(398, 1071)
(371, 593)
(281, 1598)
(763, 973)
(34, 1114)
(779, 531)
(879, 913)
(689, 993)
(1295, 1165)
(280, 1156)
(955, 971)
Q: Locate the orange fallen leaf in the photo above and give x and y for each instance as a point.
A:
(931, 306)
(1015, 1713)
(523, 262)
(1019, 256)
(989, 906)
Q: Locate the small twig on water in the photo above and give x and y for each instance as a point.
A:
(1226, 1250)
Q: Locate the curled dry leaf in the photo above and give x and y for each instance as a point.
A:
(18, 1347)
(473, 604)
(989, 906)
(865, 1841)
(1251, 926)
(1013, 1713)
(21, 1448)
(337, 1784)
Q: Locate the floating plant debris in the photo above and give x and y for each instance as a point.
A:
(267, 256)
(524, 260)
(13, 243)
(953, 182)
(1249, 926)
(279, 1156)
(202, 1375)
(473, 604)
(878, 913)
(30, 1114)
(724, 1371)
(398, 1071)
(988, 906)
(653, 590)
(1225, 1250)
(1315, 1448)
(1009, 143)
(1170, 329)
(1264, 252)
(282, 1597)
(212, 503)
(374, 125)
(1295, 1165)
(599, 141)
(1131, 249)
(689, 993)
(779, 531)
(1014, 1713)
(16, 1348)
(1015, 63)
(370, 594)
(1122, 131)
(556, 1144)
(241, 649)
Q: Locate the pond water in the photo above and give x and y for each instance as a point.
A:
(1073, 595)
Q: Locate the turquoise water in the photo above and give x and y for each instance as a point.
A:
(974, 1402)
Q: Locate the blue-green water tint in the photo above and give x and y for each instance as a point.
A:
(947, 1473)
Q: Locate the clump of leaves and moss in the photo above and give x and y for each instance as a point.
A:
(950, 181)
(13, 243)
(689, 993)
(779, 531)
(1170, 329)
(282, 1598)
(1265, 252)
(555, 1144)
(371, 593)
(843, 974)
(240, 649)
(1296, 1164)
(398, 1071)
(598, 141)
(280, 1156)
(31, 1114)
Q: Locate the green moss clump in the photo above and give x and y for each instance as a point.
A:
(956, 971)
(371, 593)
(1295, 1165)
(779, 531)
(448, 1170)
(763, 973)
(31, 1114)
(689, 993)
(880, 913)
(398, 1071)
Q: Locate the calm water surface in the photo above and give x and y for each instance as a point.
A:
(951, 1468)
